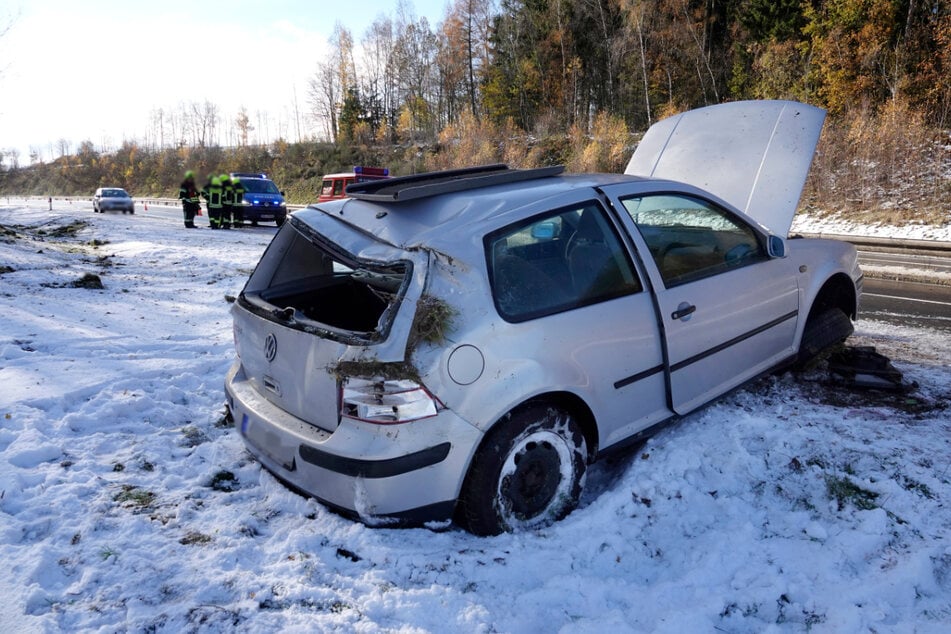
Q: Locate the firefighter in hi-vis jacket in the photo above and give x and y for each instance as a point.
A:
(227, 200)
(212, 194)
(237, 205)
(188, 194)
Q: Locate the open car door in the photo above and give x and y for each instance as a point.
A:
(755, 155)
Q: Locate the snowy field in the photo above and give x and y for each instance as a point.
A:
(127, 504)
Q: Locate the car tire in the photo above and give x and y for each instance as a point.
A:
(279, 221)
(823, 331)
(528, 473)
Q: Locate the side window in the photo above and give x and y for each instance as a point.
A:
(690, 238)
(552, 263)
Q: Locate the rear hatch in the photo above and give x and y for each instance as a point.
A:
(323, 294)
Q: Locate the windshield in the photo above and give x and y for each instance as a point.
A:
(259, 186)
(115, 193)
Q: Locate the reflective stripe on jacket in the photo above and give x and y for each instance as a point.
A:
(212, 193)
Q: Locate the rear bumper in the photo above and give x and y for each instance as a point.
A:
(381, 474)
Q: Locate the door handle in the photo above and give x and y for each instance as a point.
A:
(684, 310)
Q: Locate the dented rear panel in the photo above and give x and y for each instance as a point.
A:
(313, 303)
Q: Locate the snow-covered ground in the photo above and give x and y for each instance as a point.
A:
(843, 226)
(126, 503)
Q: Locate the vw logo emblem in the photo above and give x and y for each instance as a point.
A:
(270, 347)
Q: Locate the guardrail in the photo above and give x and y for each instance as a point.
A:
(872, 243)
(175, 202)
(168, 202)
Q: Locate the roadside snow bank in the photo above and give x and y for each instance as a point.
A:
(837, 225)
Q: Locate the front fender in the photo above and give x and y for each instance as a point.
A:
(829, 275)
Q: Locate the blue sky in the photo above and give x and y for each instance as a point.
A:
(96, 70)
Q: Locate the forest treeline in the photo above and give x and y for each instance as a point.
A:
(538, 82)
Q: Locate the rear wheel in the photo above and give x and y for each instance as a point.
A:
(528, 473)
(823, 331)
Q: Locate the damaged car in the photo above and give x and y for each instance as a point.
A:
(461, 345)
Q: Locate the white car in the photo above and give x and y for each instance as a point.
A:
(112, 199)
(461, 345)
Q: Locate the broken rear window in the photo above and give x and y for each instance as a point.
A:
(305, 281)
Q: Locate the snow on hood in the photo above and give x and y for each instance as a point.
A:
(753, 154)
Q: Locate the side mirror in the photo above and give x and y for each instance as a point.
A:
(776, 247)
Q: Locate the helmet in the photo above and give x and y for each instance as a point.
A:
(189, 175)
(215, 180)
(235, 179)
(224, 178)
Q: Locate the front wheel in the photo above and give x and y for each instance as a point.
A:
(529, 473)
(824, 330)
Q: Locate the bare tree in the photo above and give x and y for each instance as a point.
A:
(10, 156)
(333, 78)
(297, 116)
(415, 65)
(243, 123)
(264, 130)
(379, 85)
(324, 95)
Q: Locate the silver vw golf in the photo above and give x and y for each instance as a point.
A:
(460, 345)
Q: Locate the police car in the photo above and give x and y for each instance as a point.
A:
(263, 201)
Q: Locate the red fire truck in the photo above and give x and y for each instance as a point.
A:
(334, 186)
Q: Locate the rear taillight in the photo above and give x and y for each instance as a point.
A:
(386, 402)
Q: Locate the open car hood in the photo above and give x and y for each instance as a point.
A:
(753, 154)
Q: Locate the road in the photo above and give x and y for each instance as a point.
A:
(903, 302)
(899, 302)
(919, 295)
(928, 264)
